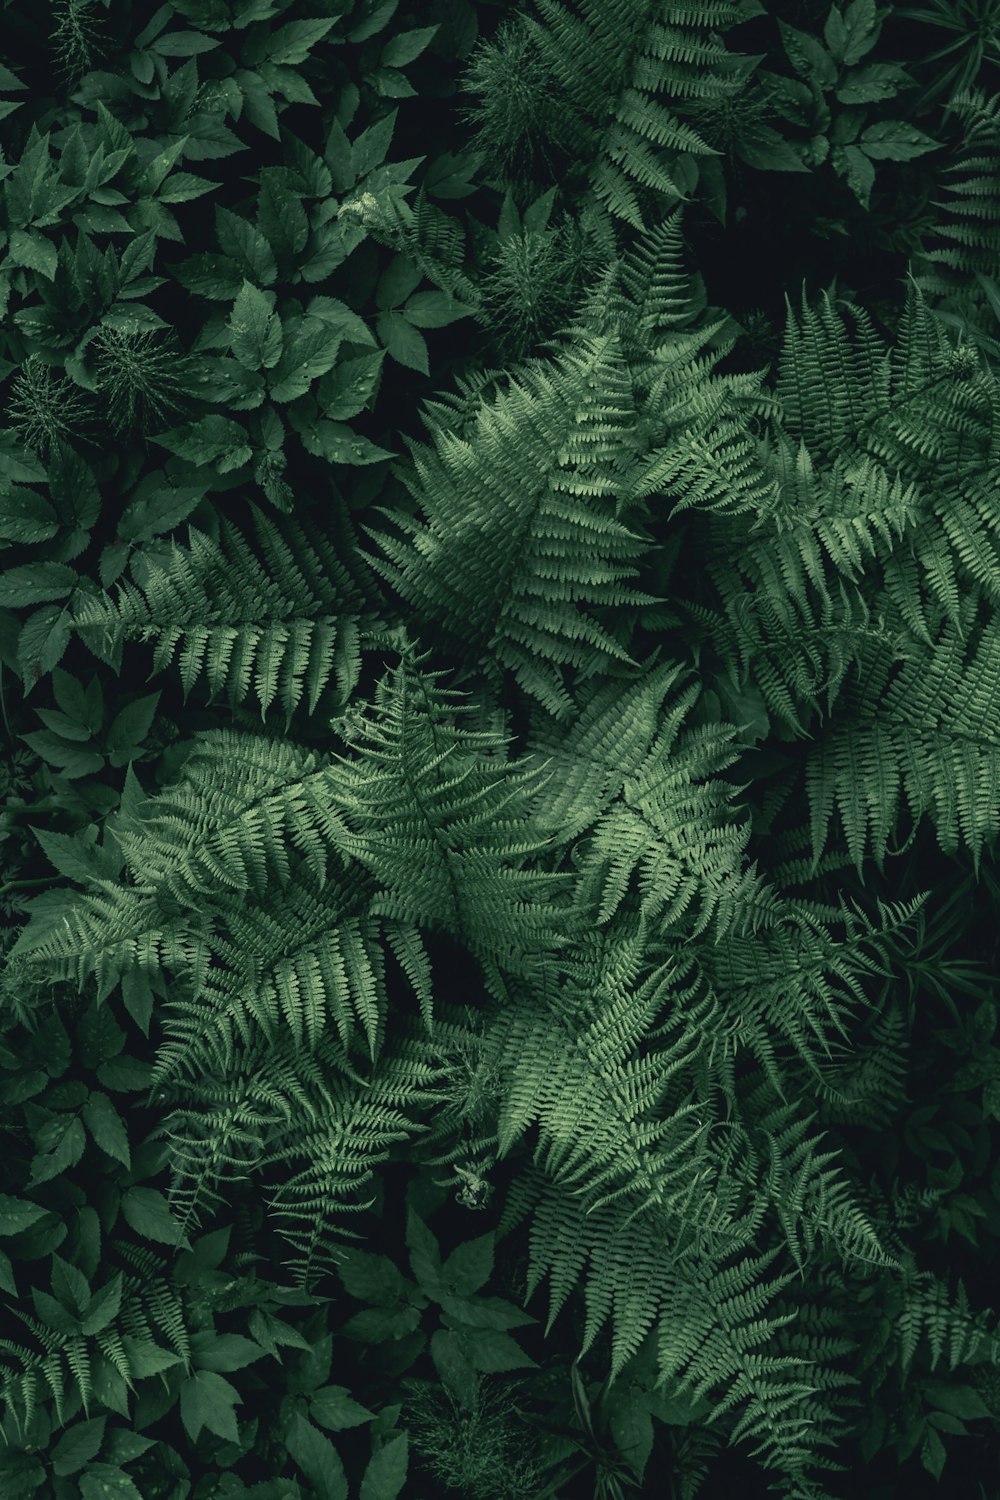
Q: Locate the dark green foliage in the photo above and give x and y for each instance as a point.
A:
(502, 777)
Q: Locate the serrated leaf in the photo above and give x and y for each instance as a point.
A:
(244, 244)
(147, 1358)
(78, 1446)
(106, 1127)
(404, 343)
(386, 1472)
(205, 441)
(129, 728)
(64, 1154)
(958, 1400)
(106, 1482)
(281, 218)
(371, 1278)
(209, 1401)
(223, 1351)
(336, 442)
(37, 583)
(372, 145)
(317, 1458)
(294, 42)
(182, 187)
(217, 277)
(854, 166)
(335, 1408)
(348, 388)
(434, 309)
(895, 140)
(147, 1211)
(375, 23)
(42, 643)
(468, 1267)
(103, 1306)
(124, 1075)
(869, 85)
(405, 46)
(341, 318)
(310, 350)
(862, 24)
(26, 516)
(184, 44)
(17, 1214)
(255, 329)
(33, 250)
(73, 855)
(808, 56)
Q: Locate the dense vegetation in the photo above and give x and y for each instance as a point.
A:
(500, 665)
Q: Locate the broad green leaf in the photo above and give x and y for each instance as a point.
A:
(853, 165)
(33, 250)
(309, 351)
(17, 1214)
(469, 1266)
(184, 44)
(42, 643)
(281, 218)
(243, 243)
(103, 1306)
(958, 1400)
(78, 1445)
(338, 316)
(335, 1408)
(376, 22)
(870, 84)
(129, 728)
(61, 1155)
(208, 440)
(217, 277)
(405, 46)
(808, 56)
(106, 1127)
(147, 1212)
(293, 43)
(404, 343)
(370, 148)
(107, 1482)
(146, 1358)
(386, 1472)
(209, 1401)
(895, 140)
(862, 24)
(182, 187)
(255, 329)
(434, 309)
(317, 1458)
(336, 442)
(37, 583)
(348, 387)
(371, 1278)
(223, 1351)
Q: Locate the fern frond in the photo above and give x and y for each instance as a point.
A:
(519, 531)
(279, 617)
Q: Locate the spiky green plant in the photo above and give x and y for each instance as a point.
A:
(140, 375)
(46, 408)
(76, 37)
(517, 121)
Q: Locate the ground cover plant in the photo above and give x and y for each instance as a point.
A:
(500, 678)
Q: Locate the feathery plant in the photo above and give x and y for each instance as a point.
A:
(46, 408)
(141, 376)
